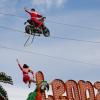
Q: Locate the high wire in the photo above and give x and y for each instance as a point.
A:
(12, 29)
(55, 37)
(54, 57)
(49, 56)
(73, 39)
(14, 15)
(75, 26)
(50, 21)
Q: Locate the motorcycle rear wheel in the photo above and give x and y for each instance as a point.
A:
(28, 29)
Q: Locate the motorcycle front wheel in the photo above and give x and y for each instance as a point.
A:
(46, 32)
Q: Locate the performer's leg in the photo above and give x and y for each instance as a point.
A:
(29, 84)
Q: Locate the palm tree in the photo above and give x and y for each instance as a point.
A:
(5, 79)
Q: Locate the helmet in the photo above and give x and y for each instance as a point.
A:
(32, 9)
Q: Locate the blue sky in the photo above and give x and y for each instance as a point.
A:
(74, 12)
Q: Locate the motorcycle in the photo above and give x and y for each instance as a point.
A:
(32, 30)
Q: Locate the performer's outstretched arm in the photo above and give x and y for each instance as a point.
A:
(27, 11)
(19, 65)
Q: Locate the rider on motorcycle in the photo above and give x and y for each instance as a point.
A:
(36, 24)
(35, 17)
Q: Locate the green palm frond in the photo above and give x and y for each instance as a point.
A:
(3, 93)
(44, 86)
(5, 79)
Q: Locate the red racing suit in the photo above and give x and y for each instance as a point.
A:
(34, 17)
(26, 77)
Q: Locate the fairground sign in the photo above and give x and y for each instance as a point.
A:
(81, 90)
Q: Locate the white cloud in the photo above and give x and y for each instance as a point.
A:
(60, 2)
(17, 93)
(49, 3)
